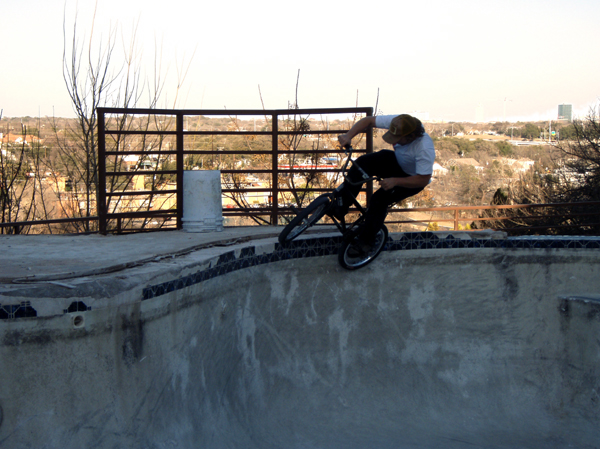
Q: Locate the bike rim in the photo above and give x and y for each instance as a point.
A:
(362, 260)
(307, 222)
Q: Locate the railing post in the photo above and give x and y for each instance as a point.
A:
(179, 145)
(101, 194)
(369, 148)
(275, 169)
(456, 214)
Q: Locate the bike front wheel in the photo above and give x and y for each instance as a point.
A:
(305, 218)
(353, 262)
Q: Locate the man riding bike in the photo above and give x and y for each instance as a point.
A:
(405, 171)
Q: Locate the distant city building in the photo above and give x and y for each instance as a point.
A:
(565, 112)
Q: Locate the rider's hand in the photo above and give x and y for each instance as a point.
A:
(387, 183)
(344, 140)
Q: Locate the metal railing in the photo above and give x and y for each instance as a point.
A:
(513, 218)
(288, 124)
(444, 218)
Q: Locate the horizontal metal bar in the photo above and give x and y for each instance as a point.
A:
(46, 222)
(141, 172)
(282, 171)
(140, 192)
(234, 112)
(262, 170)
(170, 213)
(263, 133)
(252, 153)
(501, 206)
(224, 152)
(128, 152)
(125, 132)
(226, 190)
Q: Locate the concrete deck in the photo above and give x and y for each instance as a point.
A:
(59, 257)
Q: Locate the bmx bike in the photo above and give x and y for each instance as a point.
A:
(349, 256)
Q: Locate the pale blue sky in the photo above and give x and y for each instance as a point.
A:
(442, 57)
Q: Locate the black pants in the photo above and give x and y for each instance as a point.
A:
(384, 165)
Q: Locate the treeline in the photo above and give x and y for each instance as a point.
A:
(547, 130)
(574, 181)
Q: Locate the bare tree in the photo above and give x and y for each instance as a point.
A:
(22, 190)
(11, 190)
(581, 155)
(97, 75)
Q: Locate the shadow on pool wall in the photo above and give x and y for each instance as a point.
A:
(469, 343)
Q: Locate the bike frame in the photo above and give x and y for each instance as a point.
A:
(349, 256)
(342, 226)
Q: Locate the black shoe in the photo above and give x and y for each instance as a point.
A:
(358, 248)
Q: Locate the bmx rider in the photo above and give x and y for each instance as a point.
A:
(405, 171)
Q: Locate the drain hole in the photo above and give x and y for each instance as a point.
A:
(78, 321)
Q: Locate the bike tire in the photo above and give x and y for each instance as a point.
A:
(354, 263)
(305, 218)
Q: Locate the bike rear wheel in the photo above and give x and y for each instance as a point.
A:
(350, 262)
(305, 218)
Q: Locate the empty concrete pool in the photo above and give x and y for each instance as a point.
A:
(230, 341)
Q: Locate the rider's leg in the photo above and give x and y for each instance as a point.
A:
(382, 163)
(378, 209)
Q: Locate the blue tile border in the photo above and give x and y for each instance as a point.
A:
(326, 246)
(21, 310)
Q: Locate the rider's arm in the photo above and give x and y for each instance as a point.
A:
(358, 127)
(413, 182)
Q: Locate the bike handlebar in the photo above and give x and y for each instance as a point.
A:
(365, 178)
